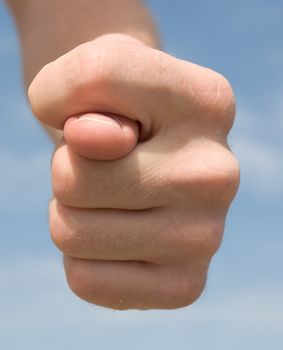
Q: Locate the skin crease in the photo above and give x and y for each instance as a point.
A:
(140, 199)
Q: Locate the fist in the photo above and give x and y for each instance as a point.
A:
(143, 177)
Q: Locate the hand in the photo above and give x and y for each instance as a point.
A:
(138, 231)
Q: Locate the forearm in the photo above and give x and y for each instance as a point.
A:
(48, 29)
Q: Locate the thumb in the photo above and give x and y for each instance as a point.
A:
(101, 136)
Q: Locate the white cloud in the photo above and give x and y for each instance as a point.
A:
(259, 148)
(262, 165)
(25, 157)
(260, 309)
(37, 306)
(24, 182)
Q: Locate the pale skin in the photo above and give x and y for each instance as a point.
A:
(144, 177)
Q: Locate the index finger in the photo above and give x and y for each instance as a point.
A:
(112, 76)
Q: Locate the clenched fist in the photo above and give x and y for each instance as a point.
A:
(143, 177)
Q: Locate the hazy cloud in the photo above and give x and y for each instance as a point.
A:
(35, 298)
(259, 150)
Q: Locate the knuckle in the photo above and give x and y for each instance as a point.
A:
(85, 286)
(224, 177)
(188, 296)
(225, 103)
(35, 92)
(78, 77)
(84, 70)
(55, 228)
(216, 99)
(66, 238)
(211, 172)
(211, 239)
(221, 184)
(203, 240)
(97, 64)
(103, 61)
(222, 94)
(226, 180)
(189, 289)
(62, 177)
(75, 277)
(183, 284)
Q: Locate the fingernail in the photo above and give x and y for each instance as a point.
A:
(99, 119)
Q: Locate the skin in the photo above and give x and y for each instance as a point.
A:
(144, 177)
(50, 28)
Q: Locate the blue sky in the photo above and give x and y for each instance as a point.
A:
(242, 306)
